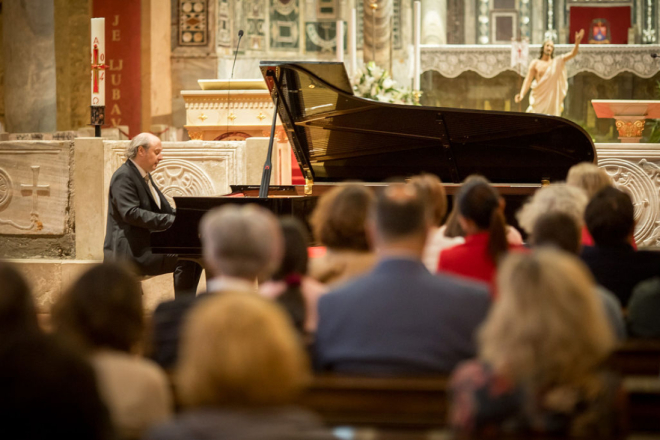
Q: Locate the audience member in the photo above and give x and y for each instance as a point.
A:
(433, 193)
(241, 245)
(553, 198)
(290, 286)
(591, 178)
(540, 356)
(18, 316)
(48, 390)
(241, 367)
(454, 233)
(613, 261)
(338, 222)
(399, 318)
(481, 216)
(644, 309)
(561, 231)
(102, 314)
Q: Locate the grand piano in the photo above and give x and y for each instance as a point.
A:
(338, 137)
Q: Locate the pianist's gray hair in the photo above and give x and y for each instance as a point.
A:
(244, 242)
(144, 140)
(554, 198)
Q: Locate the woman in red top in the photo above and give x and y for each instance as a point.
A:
(481, 216)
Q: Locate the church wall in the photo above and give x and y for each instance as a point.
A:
(29, 59)
(72, 49)
(161, 51)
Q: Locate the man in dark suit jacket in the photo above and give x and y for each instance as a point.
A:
(610, 219)
(135, 208)
(399, 319)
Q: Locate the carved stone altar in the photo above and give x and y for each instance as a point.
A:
(630, 116)
(72, 183)
(606, 60)
(635, 169)
(236, 110)
(34, 187)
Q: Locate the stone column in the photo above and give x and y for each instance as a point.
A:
(434, 21)
(470, 21)
(72, 60)
(538, 22)
(377, 32)
(29, 59)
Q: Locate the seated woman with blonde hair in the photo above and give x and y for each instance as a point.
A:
(541, 351)
(241, 366)
(339, 224)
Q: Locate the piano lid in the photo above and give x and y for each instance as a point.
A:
(337, 136)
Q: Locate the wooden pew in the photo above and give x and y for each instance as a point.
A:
(637, 357)
(420, 404)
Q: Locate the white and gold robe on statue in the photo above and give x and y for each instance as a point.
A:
(548, 94)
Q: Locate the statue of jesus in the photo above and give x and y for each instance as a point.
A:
(548, 79)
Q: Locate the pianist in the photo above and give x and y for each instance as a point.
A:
(135, 208)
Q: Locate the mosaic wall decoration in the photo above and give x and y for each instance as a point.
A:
(193, 22)
(224, 24)
(396, 24)
(284, 29)
(326, 9)
(322, 37)
(255, 13)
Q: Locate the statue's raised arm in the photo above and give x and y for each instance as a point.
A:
(578, 38)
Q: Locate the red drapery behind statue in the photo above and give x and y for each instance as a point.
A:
(617, 16)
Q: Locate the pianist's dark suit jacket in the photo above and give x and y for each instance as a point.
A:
(399, 319)
(132, 215)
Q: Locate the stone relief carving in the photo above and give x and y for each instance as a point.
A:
(6, 189)
(641, 181)
(33, 190)
(606, 61)
(34, 187)
(176, 177)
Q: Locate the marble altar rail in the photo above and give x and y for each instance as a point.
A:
(635, 169)
(606, 61)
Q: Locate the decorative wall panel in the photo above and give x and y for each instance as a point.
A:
(193, 22)
(224, 22)
(284, 24)
(255, 11)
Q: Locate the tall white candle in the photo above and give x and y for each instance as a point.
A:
(98, 61)
(352, 41)
(340, 41)
(418, 38)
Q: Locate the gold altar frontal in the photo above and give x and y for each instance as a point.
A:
(234, 110)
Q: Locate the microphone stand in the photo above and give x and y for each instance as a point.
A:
(240, 35)
(268, 166)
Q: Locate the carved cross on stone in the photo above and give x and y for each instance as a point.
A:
(35, 188)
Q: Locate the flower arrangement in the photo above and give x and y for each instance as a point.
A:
(372, 82)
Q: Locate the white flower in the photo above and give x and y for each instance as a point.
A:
(388, 83)
(377, 72)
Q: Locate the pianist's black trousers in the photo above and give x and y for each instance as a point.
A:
(186, 278)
